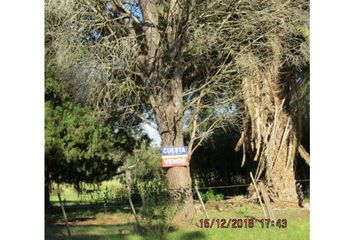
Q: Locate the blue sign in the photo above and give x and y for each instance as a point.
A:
(174, 151)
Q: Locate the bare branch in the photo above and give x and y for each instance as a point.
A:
(304, 154)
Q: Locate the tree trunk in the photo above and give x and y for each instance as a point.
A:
(47, 196)
(169, 117)
(279, 158)
(272, 138)
(271, 130)
(163, 78)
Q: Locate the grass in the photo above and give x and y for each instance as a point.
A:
(96, 221)
(298, 230)
(93, 232)
(107, 189)
(119, 224)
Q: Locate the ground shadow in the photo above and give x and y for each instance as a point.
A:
(195, 235)
(85, 237)
(117, 231)
(82, 212)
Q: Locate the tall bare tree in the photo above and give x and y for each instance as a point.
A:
(162, 67)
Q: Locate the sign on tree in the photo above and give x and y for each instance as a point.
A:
(174, 156)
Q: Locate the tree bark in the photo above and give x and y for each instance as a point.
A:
(164, 79)
(47, 196)
(273, 140)
(271, 130)
(169, 117)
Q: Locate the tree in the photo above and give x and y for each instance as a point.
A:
(154, 69)
(178, 65)
(78, 147)
(274, 68)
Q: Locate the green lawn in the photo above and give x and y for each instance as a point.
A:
(108, 190)
(297, 230)
(119, 224)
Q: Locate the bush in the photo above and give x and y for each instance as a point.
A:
(106, 196)
(158, 208)
(211, 196)
(106, 193)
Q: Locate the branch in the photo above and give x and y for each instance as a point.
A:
(240, 142)
(125, 168)
(101, 16)
(194, 127)
(206, 134)
(304, 154)
(145, 120)
(127, 11)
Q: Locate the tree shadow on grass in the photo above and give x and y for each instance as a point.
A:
(94, 232)
(85, 237)
(195, 235)
(82, 212)
(127, 231)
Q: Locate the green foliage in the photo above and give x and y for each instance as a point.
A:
(111, 192)
(149, 166)
(107, 196)
(158, 208)
(123, 227)
(78, 146)
(242, 210)
(211, 196)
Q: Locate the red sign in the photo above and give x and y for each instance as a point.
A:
(174, 162)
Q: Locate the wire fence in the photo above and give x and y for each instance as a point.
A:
(113, 202)
(243, 185)
(305, 188)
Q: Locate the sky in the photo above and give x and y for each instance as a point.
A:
(153, 134)
(134, 9)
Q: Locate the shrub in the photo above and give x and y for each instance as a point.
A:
(211, 196)
(158, 208)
